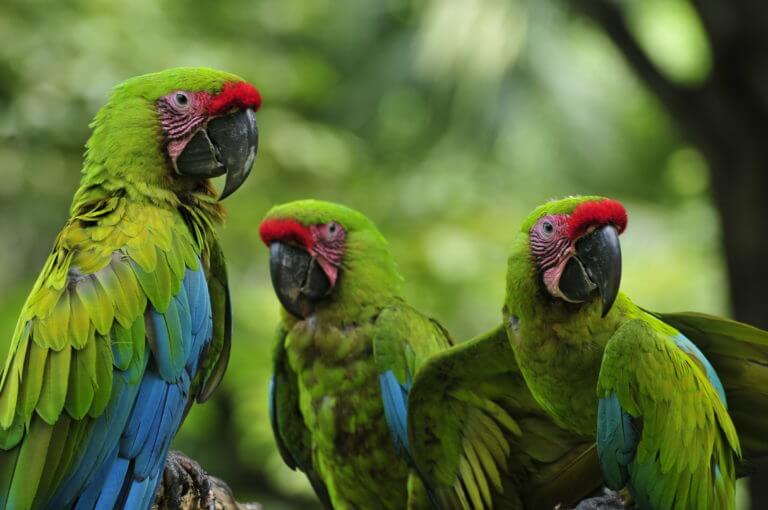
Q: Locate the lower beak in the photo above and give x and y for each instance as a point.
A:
(226, 145)
(596, 265)
(297, 278)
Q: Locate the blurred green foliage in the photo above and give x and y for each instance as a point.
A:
(444, 121)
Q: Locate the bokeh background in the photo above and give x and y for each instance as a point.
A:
(445, 121)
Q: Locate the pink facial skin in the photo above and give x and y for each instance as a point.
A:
(325, 242)
(551, 248)
(181, 112)
(329, 248)
(553, 238)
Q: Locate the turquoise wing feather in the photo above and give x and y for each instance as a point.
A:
(403, 340)
(663, 428)
(739, 354)
(99, 373)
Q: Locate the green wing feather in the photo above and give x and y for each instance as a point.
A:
(686, 452)
(83, 319)
(217, 356)
(291, 434)
(403, 339)
(739, 354)
(479, 439)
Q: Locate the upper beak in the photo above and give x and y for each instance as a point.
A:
(596, 265)
(297, 278)
(226, 145)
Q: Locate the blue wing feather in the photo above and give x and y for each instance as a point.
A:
(128, 443)
(185, 322)
(616, 441)
(89, 498)
(141, 493)
(395, 399)
(151, 394)
(110, 490)
(101, 440)
(618, 435)
(169, 346)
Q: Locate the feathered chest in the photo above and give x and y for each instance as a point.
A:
(337, 379)
(311, 343)
(341, 404)
(561, 363)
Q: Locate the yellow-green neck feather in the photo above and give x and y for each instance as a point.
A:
(125, 157)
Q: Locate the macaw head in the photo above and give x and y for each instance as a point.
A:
(323, 254)
(176, 129)
(574, 245)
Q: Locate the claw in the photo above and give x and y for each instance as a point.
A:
(186, 486)
(610, 500)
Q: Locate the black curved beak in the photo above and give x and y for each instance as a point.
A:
(596, 265)
(297, 278)
(226, 145)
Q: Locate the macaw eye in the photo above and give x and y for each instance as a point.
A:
(181, 99)
(333, 228)
(547, 229)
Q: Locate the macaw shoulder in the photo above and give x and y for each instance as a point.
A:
(95, 232)
(404, 338)
(645, 348)
(639, 334)
(119, 243)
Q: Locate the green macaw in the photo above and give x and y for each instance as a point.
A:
(129, 320)
(653, 389)
(360, 403)
(480, 440)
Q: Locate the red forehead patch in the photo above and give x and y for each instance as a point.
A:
(594, 213)
(234, 95)
(285, 230)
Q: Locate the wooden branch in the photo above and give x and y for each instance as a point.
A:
(684, 103)
(225, 500)
(221, 497)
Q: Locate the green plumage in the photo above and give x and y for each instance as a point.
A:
(328, 405)
(132, 234)
(474, 432)
(687, 447)
(480, 440)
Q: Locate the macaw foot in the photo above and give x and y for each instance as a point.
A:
(610, 500)
(185, 485)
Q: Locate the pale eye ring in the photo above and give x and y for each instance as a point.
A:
(181, 99)
(547, 228)
(332, 228)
